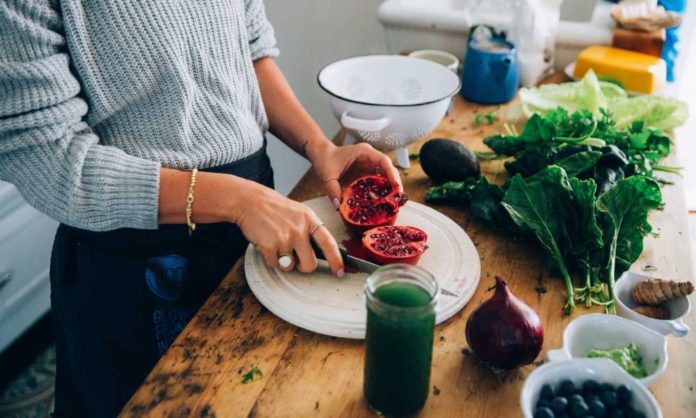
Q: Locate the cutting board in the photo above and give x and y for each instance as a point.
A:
(322, 303)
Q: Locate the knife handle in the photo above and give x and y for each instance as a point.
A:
(320, 254)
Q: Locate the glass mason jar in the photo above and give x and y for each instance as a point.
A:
(399, 338)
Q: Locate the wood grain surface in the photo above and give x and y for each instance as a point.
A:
(310, 375)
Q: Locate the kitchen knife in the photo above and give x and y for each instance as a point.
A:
(362, 265)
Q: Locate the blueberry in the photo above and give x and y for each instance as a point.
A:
(616, 413)
(592, 397)
(576, 398)
(547, 392)
(590, 386)
(606, 386)
(567, 388)
(543, 403)
(597, 408)
(559, 404)
(609, 398)
(579, 409)
(624, 394)
(544, 413)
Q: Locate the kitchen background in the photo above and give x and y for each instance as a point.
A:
(310, 34)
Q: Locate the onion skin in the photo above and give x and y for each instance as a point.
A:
(504, 332)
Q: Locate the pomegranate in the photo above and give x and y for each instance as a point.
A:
(394, 244)
(368, 202)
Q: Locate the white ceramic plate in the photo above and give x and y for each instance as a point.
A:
(327, 305)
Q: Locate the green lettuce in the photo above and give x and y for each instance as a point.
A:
(592, 94)
(655, 111)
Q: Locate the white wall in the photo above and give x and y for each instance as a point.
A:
(310, 34)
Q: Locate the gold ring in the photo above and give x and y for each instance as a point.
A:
(330, 179)
(320, 224)
(284, 260)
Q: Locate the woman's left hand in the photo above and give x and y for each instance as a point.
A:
(334, 164)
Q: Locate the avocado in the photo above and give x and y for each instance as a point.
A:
(447, 160)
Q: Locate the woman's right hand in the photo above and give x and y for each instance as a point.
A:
(277, 225)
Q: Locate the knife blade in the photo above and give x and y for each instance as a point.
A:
(362, 265)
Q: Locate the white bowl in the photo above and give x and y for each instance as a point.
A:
(677, 309)
(579, 370)
(389, 101)
(441, 57)
(603, 332)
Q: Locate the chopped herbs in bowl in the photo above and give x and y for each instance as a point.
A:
(627, 357)
(637, 350)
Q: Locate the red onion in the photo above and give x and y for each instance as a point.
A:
(504, 332)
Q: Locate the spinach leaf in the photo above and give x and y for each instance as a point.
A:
(578, 163)
(584, 228)
(484, 202)
(537, 129)
(586, 238)
(550, 139)
(451, 191)
(482, 197)
(506, 145)
(537, 205)
(536, 157)
(624, 212)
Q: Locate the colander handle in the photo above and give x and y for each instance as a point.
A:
(368, 125)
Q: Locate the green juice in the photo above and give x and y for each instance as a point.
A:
(399, 346)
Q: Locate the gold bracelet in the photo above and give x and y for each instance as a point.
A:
(189, 202)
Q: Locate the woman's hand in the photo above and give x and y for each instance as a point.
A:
(277, 226)
(332, 163)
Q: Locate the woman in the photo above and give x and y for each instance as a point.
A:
(106, 109)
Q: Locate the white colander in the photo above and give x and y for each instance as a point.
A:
(388, 101)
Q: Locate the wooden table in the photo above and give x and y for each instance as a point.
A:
(305, 374)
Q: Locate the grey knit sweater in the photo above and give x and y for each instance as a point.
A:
(96, 96)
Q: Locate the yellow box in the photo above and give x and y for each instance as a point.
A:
(638, 72)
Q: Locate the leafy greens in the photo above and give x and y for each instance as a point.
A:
(534, 205)
(624, 212)
(580, 186)
(592, 95)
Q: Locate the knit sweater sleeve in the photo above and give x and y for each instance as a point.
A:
(46, 149)
(262, 42)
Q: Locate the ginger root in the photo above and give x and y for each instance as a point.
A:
(657, 312)
(656, 291)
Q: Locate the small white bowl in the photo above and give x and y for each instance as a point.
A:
(440, 57)
(677, 309)
(579, 370)
(603, 332)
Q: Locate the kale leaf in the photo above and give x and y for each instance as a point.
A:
(623, 211)
(538, 205)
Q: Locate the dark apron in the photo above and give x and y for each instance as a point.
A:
(119, 299)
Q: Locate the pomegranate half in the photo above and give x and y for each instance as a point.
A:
(368, 202)
(394, 244)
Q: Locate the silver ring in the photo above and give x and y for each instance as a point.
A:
(284, 260)
(319, 225)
